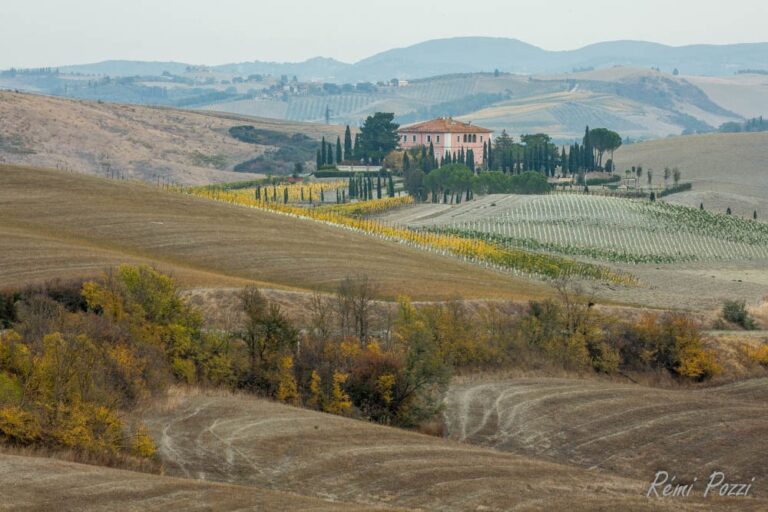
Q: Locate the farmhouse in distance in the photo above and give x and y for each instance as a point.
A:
(447, 136)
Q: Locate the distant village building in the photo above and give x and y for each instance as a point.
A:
(446, 135)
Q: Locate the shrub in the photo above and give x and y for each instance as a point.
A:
(736, 312)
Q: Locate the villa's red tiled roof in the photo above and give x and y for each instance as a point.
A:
(443, 125)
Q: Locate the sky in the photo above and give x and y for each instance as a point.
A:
(36, 33)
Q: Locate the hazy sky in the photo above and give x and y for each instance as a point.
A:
(55, 32)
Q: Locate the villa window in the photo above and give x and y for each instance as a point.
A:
(429, 138)
(458, 138)
(414, 138)
(438, 139)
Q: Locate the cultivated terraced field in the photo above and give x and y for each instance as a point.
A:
(247, 441)
(56, 224)
(627, 429)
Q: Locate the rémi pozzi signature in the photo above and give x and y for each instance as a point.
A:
(666, 486)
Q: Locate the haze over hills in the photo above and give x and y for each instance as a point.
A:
(475, 54)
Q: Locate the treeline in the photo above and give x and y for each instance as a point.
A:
(76, 358)
(756, 124)
(454, 183)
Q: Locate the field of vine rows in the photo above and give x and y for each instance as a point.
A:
(606, 228)
(488, 253)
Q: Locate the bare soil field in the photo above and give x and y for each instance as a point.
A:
(627, 429)
(138, 142)
(74, 224)
(247, 441)
(42, 484)
(726, 169)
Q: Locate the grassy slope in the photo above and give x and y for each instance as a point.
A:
(54, 222)
(725, 169)
(139, 141)
(627, 429)
(250, 441)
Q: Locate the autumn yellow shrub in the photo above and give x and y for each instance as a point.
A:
(287, 391)
(19, 426)
(339, 402)
(142, 445)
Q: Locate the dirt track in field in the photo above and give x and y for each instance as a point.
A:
(626, 429)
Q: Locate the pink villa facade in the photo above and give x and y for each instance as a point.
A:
(446, 134)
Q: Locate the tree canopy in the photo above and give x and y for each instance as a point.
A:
(378, 136)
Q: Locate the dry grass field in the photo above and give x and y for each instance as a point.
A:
(252, 442)
(726, 169)
(139, 142)
(626, 429)
(32, 484)
(55, 223)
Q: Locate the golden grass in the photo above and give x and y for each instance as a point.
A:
(75, 225)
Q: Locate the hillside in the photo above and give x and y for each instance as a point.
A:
(626, 429)
(637, 102)
(59, 224)
(39, 483)
(727, 170)
(248, 441)
(472, 54)
(177, 146)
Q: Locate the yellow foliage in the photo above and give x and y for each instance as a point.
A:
(287, 391)
(315, 391)
(385, 384)
(143, 445)
(759, 354)
(19, 426)
(183, 369)
(698, 364)
(339, 402)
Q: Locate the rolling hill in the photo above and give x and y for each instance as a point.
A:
(627, 429)
(38, 483)
(251, 442)
(726, 169)
(638, 103)
(178, 146)
(473, 54)
(60, 224)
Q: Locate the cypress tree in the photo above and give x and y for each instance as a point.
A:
(378, 187)
(754, 215)
(490, 154)
(485, 153)
(285, 195)
(406, 162)
(302, 194)
(347, 144)
(323, 147)
(390, 186)
(356, 149)
(431, 155)
(589, 154)
(318, 160)
(329, 152)
(339, 156)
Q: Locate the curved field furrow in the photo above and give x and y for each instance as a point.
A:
(253, 442)
(632, 430)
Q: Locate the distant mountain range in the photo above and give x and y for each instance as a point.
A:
(475, 54)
